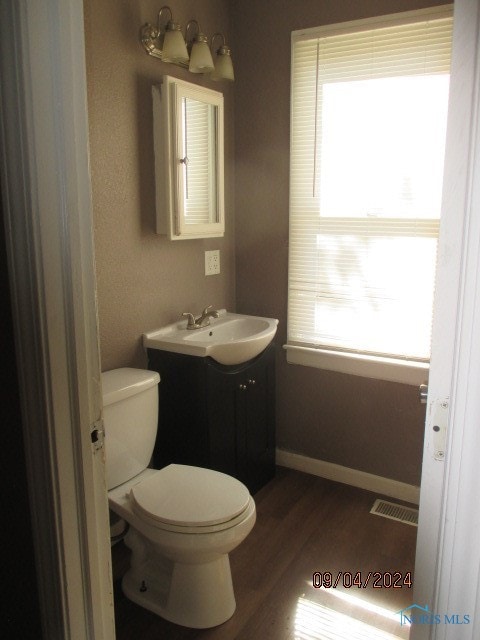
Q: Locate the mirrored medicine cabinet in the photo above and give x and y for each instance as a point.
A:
(188, 144)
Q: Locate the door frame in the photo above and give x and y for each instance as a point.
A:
(48, 208)
(48, 219)
(448, 554)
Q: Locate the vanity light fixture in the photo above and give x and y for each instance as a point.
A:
(200, 57)
(223, 62)
(165, 41)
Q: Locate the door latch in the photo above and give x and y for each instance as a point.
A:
(440, 421)
(97, 435)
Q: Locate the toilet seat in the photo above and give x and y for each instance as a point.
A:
(190, 500)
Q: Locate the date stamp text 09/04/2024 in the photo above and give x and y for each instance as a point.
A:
(375, 579)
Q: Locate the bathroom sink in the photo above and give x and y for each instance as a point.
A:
(231, 338)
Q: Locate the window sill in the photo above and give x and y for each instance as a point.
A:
(404, 371)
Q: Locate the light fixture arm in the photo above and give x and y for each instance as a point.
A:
(198, 36)
(159, 16)
(219, 35)
(153, 38)
(150, 35)
(223, 61)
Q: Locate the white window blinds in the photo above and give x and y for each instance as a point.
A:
(368, 121)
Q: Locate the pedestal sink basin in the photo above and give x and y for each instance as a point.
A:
(232, 338)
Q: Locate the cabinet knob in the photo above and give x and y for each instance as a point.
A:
(251, 381)
(242, 387)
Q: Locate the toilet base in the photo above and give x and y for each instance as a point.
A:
(193, 595)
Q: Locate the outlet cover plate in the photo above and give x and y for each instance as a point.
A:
(212, 262)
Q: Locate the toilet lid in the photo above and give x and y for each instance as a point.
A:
(189, 496)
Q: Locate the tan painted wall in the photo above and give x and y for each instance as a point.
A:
(144, 280)
(370, 425)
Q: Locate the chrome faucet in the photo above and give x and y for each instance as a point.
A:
(202, 320)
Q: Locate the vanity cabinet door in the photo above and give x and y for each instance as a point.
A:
(182, 434)
(256, 425)
(244, 397)
(221, 419)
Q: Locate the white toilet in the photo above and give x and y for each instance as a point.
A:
(183, 521)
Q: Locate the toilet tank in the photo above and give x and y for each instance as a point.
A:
(130, 415)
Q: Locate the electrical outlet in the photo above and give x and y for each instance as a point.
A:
(212, 262)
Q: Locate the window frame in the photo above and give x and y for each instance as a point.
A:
(397, 369)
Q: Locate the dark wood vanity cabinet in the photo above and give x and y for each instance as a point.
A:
(216, 416)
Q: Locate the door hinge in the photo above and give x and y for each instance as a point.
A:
(423, 392)
(97, 435)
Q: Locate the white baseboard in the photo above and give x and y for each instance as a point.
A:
(346, 475)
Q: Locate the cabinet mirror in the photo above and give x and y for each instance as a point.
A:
(188, 144)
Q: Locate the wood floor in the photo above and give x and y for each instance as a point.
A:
(304, 525)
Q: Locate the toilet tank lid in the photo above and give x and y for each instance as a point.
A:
(119, 384)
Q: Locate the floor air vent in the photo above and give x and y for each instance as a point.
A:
(395, 512)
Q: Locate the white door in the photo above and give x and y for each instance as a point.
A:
(445, 578)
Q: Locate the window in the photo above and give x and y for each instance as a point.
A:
(368, 121)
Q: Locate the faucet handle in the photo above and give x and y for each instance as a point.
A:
(191, 319)
(207, 309)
